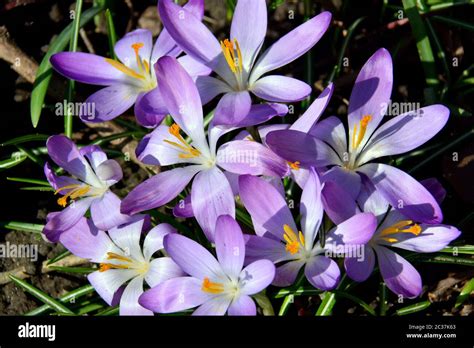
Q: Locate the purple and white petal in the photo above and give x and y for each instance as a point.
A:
(124, 48)
(357, 230)
(217, 305)
(58, 182)
(256, 277)
(105, 211)
(110, 172)
(107, 283)
(311, 208)
(150, 109)
(184, 207)
(347, 180)
(286, 274)
(193, 67)
(243, 305)
(432, 238)
(259, 248)
(232, 108)
(210, 87)
(278, 88)
(154, 239)
(339, 205)
(360, 268)
(230, 245)
(332, 131)
(162, 269)
(322, 272)
(129, 301)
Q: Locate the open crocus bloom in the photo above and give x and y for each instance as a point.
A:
(397, 231)
(235, 59)
(122, 260)
(279, 241)
(211, 193)
(325, 144)
(89, 188)
(131, 79)
(216, 286)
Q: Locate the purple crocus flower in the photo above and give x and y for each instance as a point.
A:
(235, 60)
(397, 231)
(279, 241)
(325, 144)
(122, 260)
(131, 79)
(89, 188)
(211, 193)
(215, 285)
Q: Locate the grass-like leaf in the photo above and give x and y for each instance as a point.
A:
(414, 308)
(26, 139)
(22, 226)
(465, 293)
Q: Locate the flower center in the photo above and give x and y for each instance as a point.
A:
(143, 74)
(187, 151)
(211, 287)
(293, 242)
(404, 226)
(294, 165)
(359, 132)
(129, 263)
(76, 191)
(233, 57)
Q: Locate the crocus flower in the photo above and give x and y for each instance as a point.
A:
(93, 175)
(211, 193)
(131, 79)
(325, 145)
(279, 241)
(235, 59)
(397, 231)
(121, 260)
(215, 285)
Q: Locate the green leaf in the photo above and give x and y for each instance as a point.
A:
(59, 257)
(243, 217)
(43, 76)
(417, 307)
(356, 300)
(462, 249)
(30, 181)
(454, 22)
(100, 141)
(300, 291)
(445, 259)
(326, 306)
(466, 291)
(109, 311)
(70, 296)
(264, 302)
(22, 226)
(25, 139)
(111, 34)
(82, 270)
(16, 159)
(383, 299)
(37, 188)
(46, 299)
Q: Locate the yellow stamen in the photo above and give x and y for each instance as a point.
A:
(125, 69)
(232, 55)
(211, 287)
(294, 165)
(293, 242)
(188, 150)
(404, 226)
(106, 266)
(75, 192)
(114, 256)
(358, 136)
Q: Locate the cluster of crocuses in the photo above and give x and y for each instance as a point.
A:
(374, 208)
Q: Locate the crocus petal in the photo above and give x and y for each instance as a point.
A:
(258, 248)
(217, 305)
(256, 277)
(155, 149)
(165, 45)
(405, 132)
(192, 257)
(193, 67)
(154, 239)
(125, 51)
(359, 269)
(188, 32)
(158, 190)
(181, 98)
(162, 269)
(266, 129)
(280, 89)
(347, 180)
(65, 154)
(371, 93)
(260, 113)
(311, 208)
(435, 188)
(272, 215)
(184, 208)
(300, 147)
(209, 87)
(86, 68)
(150, 109)
(249, 27)
(84, 240)
(94, 155)
(432, 238)
(357, 230)
(307, 121)
(110, 172)
(129, 301)
(250, 157)
(66, 219)
(110, 102)
(404, 193)
(399, 275)
(242, 305)
(332, 131)
(291, 46)
(230, 245)
(107, 283)
(338, 203)
(211, 196)
(232, 108)
(285, 275)
(370, 199)
(127, 237)
(105, 212)
(174, 295)
(322, 272)
(58, 182)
